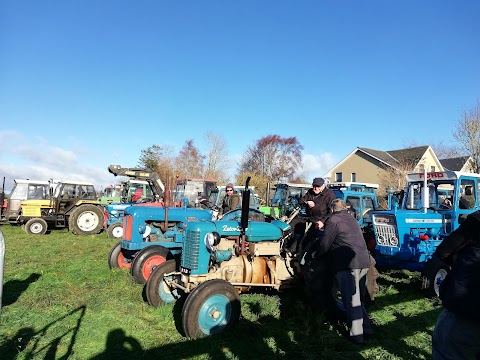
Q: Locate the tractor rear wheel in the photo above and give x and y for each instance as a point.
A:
(115, 230)
(117, 258)
(157, 291)
(70, 220)
(210, 308)
(87, 220)
(146, 261)
(36, 226)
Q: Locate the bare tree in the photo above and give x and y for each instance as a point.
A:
(216, 160)
(273, 157)
(258, 181)
(189, 162)
(467, 133)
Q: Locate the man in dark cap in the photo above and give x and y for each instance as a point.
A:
(231, 200)
(318, 200)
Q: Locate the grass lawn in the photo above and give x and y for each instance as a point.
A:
(61, 301)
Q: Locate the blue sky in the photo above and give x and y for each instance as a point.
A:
(85, 84)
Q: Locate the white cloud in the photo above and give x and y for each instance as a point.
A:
(316, 165)
(35, 158)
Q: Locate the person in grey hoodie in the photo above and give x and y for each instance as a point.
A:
(343, 241)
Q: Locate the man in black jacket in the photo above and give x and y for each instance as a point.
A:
(318, 200)
(343, 240)
(457, 331)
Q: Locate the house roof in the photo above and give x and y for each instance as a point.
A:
(454, 164)
(394, 157)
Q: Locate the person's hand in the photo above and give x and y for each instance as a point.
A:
(219, 216)
(319, 224)
(310, 203)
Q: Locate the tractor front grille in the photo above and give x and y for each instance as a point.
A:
(387, 235)
(386, 232)
(191, 250)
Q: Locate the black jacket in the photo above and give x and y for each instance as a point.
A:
(343, 238)
(322, 202)
(460, 290)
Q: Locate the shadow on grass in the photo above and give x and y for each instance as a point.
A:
(28, 340)
(299, 332)
(14, 288)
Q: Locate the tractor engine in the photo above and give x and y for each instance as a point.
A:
(217, 250)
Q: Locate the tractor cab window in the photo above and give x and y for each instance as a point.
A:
(19, 192)
(353, 206)
(68, 191)
(38, 192)
(368, 206)
(467, 196)
(279, 196)
(440, 195)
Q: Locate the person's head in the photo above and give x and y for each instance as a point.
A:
(337, 205)
(318, 185)
(229, 189)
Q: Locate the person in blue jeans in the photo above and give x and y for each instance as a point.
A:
(457, 332)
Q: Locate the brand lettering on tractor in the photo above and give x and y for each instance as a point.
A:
(434, 175)
(230, 228)
(429, 221)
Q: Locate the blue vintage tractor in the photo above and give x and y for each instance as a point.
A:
(244, 250)
(151, 234)
(434, 205)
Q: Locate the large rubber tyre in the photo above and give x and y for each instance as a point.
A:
(87, 220)
(157, 290)
(36, 226)
(210, 308)
(336, 308)
(146, 261)
(115, 230)
(70, 220)
(432, 276)
(118, 258)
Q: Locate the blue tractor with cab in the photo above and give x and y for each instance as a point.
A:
(433, 206)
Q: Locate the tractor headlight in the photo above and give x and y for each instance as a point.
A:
(114, 212)
(211, 239)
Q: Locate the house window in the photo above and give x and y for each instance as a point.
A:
(432, 169)
(338, 176)
(422, 168)
(354, 177)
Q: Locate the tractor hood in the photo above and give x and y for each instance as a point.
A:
(157, 213)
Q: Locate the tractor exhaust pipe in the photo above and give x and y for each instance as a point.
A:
(166, 204)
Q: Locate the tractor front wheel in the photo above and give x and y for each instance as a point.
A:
(87, 220)
(157, 290)
(146, 261)
(210, 308)
(117, 258)
(36, 226)
(433, 273)
(115, 230)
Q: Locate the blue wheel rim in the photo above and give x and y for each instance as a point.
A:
(214, 314)
(168, 296)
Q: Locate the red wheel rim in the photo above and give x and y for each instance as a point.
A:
(150, 264)
(122, 262)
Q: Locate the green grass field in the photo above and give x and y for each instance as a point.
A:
(61, 301)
